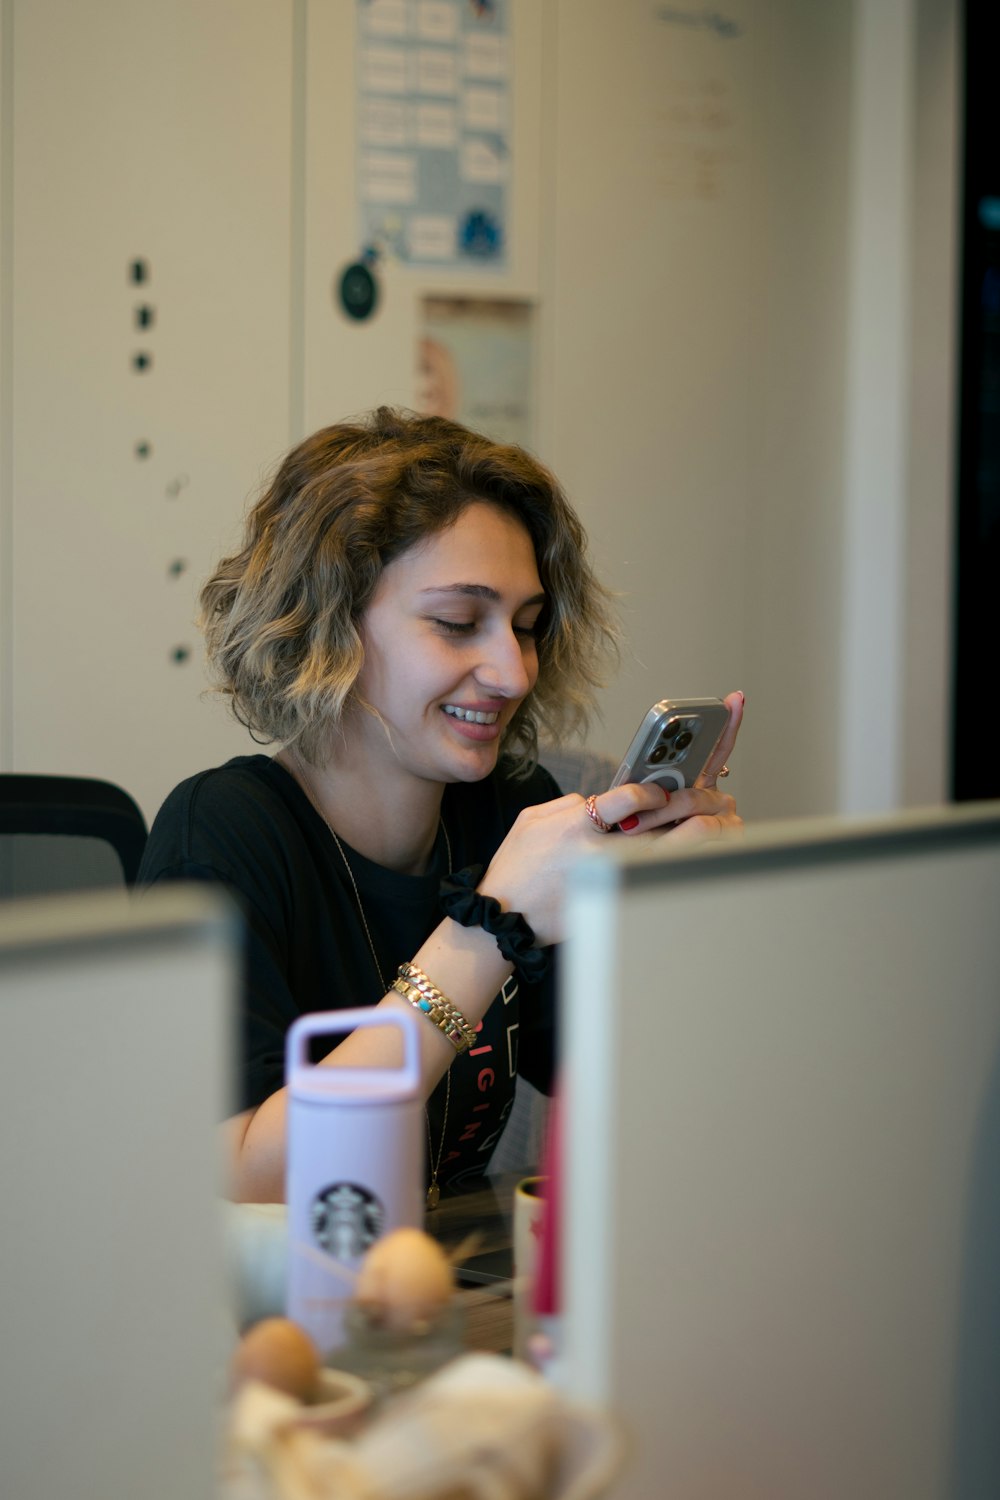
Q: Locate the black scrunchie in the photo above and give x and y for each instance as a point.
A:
(465, 905)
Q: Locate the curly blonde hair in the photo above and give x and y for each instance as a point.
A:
(281, 616)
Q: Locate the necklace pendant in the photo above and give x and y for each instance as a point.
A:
(433, 1195)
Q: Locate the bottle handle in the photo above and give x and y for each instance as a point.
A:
(339, 1022)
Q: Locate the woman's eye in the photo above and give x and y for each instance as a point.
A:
(468, 627)
(456, 627)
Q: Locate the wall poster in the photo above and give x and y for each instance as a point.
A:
(475, 359)
(433, 129)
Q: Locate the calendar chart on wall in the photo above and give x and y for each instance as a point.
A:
(434, 130)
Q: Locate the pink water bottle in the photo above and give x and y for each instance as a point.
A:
(354, 1164)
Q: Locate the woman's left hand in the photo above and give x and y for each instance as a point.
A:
(700, 812)
(527, 873)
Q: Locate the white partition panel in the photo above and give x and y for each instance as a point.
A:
(115, 1036)
(783, 1137)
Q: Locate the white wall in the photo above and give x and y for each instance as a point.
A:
(928, 567)
(692, 215)
(699, 372)
(752, 389)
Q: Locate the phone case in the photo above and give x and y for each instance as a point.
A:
(674, 742)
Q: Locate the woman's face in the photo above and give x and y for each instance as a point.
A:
(450, 648)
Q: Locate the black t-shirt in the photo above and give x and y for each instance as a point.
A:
(250, 826)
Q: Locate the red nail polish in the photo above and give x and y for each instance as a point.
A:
(628, 823)
(666, 795)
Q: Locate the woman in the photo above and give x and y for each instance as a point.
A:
(411, 603)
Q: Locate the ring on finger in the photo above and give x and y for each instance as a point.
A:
(723, 772)
(591, 809)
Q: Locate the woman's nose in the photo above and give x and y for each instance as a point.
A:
(503, 668)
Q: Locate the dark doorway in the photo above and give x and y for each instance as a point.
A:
(975, 763)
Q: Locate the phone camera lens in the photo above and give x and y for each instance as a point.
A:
(671, 731)
(684, 739)
(657, 753)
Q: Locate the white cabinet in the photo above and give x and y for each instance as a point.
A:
(153, 140)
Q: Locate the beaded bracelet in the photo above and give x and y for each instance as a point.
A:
(469, 908)
(412, 983)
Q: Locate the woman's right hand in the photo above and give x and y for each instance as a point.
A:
(528, 872)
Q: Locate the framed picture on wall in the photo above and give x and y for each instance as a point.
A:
(474, 364)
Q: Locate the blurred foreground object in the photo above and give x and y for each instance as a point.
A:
(483, 1427)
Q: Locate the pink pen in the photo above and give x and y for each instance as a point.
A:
(543, 1345)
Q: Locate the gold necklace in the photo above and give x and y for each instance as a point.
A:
(433, 1190)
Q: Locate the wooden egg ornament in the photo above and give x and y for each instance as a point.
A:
(280, 1354)
(404, 1281)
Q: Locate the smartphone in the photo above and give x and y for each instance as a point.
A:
(674, 742)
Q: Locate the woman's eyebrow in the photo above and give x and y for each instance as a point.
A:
(479, 591)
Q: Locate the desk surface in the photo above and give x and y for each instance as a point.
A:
(485, 1211)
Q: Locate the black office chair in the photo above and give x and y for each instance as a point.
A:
(577, 769)
(67, 833)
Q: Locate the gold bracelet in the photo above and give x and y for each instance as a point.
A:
(412, 983)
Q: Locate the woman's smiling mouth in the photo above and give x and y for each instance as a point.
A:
(470, 715)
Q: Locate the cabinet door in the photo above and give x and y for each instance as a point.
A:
(351, 365)
(151, 148)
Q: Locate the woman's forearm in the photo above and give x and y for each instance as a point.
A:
(464, 963)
